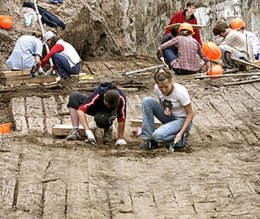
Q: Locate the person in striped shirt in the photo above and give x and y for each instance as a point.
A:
(106, 103)
(187, 59)
(26, 54)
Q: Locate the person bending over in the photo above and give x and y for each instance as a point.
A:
(106, 103)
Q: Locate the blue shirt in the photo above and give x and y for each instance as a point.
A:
(25, 50)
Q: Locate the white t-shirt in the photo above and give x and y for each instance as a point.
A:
(176, 100)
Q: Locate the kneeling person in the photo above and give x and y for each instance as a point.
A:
(173, 109)
(106, 103)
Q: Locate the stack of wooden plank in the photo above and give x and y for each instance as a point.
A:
(23, 77)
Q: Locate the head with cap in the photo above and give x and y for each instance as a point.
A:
(47, 36)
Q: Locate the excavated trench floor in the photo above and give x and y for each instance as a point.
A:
(48, 177)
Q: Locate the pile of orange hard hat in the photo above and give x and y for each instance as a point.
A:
(6, 22)
(211, 51)
(215, 71)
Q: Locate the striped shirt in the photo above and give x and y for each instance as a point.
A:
(189, 51)
(25, 50)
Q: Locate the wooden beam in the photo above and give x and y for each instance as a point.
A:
(242, 82)
(138, 123)
(28, 79)
(245, 62)
(62, 130)
(7, 74)
(178, 24)
(226, 75)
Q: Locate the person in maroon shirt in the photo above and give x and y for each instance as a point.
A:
(187, 16)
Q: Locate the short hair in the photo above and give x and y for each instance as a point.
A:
(162, 75)
(220, 27)
(191, 3)
(112, 97)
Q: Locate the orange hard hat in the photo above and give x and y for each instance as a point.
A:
(237, 24)
(186, 26)
(211, 51)
(6, 22)
(215, 71)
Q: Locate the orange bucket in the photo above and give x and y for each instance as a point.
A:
(5, 128)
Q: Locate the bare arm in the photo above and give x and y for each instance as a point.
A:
(186, 123)
(121, 130)
(83, 120)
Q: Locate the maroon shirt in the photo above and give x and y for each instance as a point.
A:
(179, 17)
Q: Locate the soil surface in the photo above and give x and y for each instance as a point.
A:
(47, 177)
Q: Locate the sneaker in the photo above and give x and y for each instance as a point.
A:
(74, 135)
(108, 135)
(148, 145)
(184, 149)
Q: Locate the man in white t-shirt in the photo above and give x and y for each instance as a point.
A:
(173, 110)
(234, 45)
(239, 25)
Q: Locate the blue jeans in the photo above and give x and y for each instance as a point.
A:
(63, 66)
(170, 54)
(171, 124)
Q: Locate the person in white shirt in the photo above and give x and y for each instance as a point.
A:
(65, 57)
(173, 110)
(239, 25)
(233, 45)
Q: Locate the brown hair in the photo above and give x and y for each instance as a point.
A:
(54, 40)
(220, 27)
(112, 97)
(162, 75)
(191, 3)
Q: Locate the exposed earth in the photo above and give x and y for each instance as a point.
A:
(47, 177)
(43, 176)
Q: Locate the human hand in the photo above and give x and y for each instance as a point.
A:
(49, 71)
(40, 71)
(163, 61)
(120, 142)
(177, 138)
(91, 138)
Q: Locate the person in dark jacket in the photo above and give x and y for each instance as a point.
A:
(106, 103)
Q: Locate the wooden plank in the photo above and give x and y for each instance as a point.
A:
(242, 82)
(7, 74)
(201, 76)
(138, 123)
(178, 24)
(64, 129)
(23, 80)
(245, 62)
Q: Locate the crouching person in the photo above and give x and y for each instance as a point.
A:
(173, 110)
(185, 57)
(65, 58)
(106, 103)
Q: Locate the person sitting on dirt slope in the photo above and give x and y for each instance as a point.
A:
(234, 45)
(239, 25)
(64, 56)
(173, 110)
(186, 16)
(26, 54)
(106, 103)
(186, 60)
